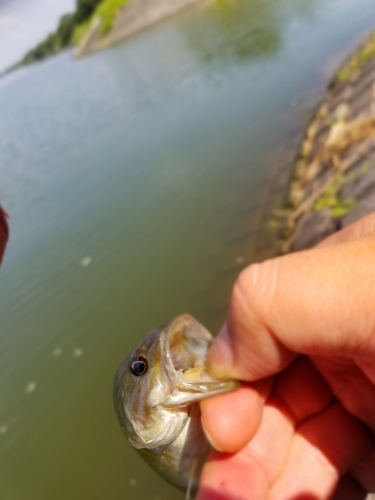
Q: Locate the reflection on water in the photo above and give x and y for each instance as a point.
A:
(138, 182)
(247, 30)
(237, 39)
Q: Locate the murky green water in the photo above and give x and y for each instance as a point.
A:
(139, 182)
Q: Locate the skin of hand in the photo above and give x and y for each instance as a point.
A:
(4, 232)
(300, 332)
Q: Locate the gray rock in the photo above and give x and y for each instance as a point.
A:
(312, 228)
(364, 207)
(362, 189)
(363, 186)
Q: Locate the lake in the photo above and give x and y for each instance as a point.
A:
(139, 182)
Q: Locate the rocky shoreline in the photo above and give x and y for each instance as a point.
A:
(333, 183)
(136, 16)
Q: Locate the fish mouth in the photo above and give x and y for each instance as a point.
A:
(184, 351)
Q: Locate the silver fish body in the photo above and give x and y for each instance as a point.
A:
(156, 393)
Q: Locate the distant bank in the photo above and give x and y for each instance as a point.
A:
(97, 24)
(134, 17)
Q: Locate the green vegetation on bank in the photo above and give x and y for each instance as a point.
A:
(73, 27)
(358, 60)
(331, 198)
(107, 12)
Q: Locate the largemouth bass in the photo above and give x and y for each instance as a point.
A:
(156, 393)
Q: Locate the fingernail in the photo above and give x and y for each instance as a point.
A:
(220, 356)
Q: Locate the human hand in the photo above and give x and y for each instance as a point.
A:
(301, 329)
(3, 233)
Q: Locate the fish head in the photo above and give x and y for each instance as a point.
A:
(157, 382)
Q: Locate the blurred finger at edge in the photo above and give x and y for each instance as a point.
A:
(4, 232)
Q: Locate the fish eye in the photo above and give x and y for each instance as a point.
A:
(138, 366)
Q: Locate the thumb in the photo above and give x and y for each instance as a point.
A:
(318, 302)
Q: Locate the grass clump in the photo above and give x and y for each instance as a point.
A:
(332, 200)
(337, 206)
(80, 31)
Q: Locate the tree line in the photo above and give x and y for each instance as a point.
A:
(62, 37)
